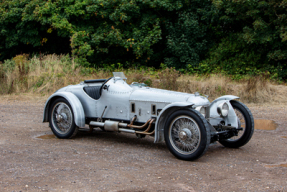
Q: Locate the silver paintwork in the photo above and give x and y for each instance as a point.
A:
(214, 118)
(79, 115)
(225, 97)
(120, 95)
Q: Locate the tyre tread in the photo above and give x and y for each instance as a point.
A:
(244, 141)
(207, 131)
(251, 117)
(75, 132)
(76, 128)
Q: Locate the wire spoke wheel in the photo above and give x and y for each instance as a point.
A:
(184, 135)
(187, 134)
(62, 117)
(241, 124)
(245, 121)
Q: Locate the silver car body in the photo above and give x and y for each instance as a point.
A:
(123, 101)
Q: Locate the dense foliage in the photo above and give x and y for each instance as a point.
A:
(252, 37)
(101, 30)
(235, 37)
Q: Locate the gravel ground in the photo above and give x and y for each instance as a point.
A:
(32, 159)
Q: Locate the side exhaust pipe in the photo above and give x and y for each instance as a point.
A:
(119, 127)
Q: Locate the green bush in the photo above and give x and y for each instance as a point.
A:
(252, 38)
(96, 31)
(189, 37)
(196, 36)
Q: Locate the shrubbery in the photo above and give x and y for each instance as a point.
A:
(196, 36)
(252, 38)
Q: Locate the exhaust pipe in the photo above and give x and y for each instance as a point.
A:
(112, 126)
(117, 126)
(97, 124)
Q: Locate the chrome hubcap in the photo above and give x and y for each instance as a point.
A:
(59, 118)
(185, 134)
(62, 117)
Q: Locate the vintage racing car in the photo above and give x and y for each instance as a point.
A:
(188, 123)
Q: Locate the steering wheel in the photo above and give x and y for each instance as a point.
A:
(103, 85)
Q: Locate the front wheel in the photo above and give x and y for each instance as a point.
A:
(61, 119)
(187, 135)
(245, 121)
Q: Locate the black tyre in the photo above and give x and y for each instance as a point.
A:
(61, 119)
(186, 134)
(246, 122)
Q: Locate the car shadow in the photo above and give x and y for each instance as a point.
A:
(127, 139)
(119, 138)
(218, 150)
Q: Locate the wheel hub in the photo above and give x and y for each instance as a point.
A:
(185, 134)
(61, 117)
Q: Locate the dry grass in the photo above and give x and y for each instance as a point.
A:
(254, 90)
(44, 76)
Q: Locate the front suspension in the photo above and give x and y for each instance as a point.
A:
(224, 132)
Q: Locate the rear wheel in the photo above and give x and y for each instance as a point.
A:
(61, 119)
(245, 121)
(187, 135)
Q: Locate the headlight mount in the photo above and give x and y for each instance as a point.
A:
(201, 110)
(223, 109)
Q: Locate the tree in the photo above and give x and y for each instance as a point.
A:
(252, 37)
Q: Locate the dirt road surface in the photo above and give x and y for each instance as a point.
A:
(32, 159)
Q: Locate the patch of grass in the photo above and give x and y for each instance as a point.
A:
(46, 75)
